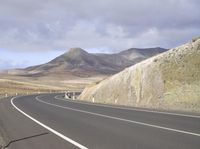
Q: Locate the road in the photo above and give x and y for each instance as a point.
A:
(48, 121)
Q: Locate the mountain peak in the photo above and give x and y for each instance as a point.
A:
(77, 60)
(76, 50)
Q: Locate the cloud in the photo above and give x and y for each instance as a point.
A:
(27, 25)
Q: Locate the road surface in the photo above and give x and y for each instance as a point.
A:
(48, 121)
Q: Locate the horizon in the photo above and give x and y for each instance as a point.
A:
(50, 57)
(35, 33)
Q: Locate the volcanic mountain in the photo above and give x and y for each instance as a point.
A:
(77, 62)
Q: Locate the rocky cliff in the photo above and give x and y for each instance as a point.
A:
(169, 80)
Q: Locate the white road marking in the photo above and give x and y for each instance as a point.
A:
(121, 119)
(132, 109)
(48, 128)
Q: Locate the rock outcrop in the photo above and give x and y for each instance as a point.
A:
(168, 80)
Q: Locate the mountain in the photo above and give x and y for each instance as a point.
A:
(168, 80)
(77, 62)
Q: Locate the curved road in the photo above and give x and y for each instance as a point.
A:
(48, 121)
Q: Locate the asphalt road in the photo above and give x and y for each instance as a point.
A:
(50, 122)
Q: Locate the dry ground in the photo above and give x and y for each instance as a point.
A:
(11, 87)
(12, 84)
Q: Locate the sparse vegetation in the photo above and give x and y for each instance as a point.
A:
(155, 60)
(10, 88)
(173, 82)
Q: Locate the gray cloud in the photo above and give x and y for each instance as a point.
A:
(105, 25)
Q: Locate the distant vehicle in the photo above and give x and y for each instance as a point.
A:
(70, 94)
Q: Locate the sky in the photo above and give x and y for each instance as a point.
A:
(33, 32)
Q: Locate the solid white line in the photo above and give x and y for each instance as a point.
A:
(48, 128)
(132, 109)
(121, 119)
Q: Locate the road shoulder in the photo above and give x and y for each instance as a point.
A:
(3, 135)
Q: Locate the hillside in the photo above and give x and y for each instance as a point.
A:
(73, 70)
(77, 62)
(169, 80)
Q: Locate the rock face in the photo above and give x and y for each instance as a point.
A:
(77, 62)
(169, 80)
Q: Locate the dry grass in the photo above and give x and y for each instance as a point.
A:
(10, 87)
(12, 84)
